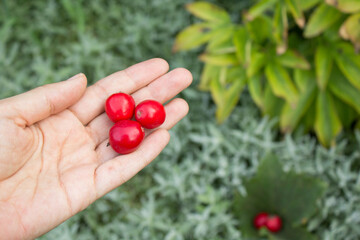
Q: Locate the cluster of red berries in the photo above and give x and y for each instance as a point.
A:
(273, 223)
(126, 134)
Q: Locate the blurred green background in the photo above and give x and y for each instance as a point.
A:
(186, 192)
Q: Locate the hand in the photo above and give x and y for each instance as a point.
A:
(54, 161)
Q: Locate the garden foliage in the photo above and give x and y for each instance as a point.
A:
(293, 55)
(291, 196)
(187, 192)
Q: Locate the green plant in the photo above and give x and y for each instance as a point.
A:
(301, 72)
(291, 196)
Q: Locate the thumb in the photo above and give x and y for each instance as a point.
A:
(39, 103)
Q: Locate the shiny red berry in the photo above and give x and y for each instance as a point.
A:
(274, 224)
(125, 136)
(150, 114)
(120, 106)
(260, 220)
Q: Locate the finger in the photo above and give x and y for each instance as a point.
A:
(41, 102)
(129, 80)
(166, 87)
(162, 90)
(115, 172)
(175, 111)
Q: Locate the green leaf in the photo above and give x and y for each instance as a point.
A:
(321, 19)
(308, 121)
(260, 29)
(293, 233)
(242, 45)
(323, 66)
(208, 12)
(291, 116)
(307, 4)
(235, 73)
(348, 62)
(256, 90)
(293, 59)
(272, 104)
(296, 11)
(209, 72)
(343, 89)
(347, 6)
(192, 37)
(280, 28)
(303, 78)
(219, 59)
(290, 195)
(350, 30)
(280, 83)
(257, 61)
(327, 122)
(346, 114)
(221, 41)
(259, 8)
(226, 98)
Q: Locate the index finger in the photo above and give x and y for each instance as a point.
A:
(127, 81)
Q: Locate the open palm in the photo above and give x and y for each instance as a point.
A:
(54, 158)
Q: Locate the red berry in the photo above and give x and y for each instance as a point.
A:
(274, 224)
(260, 220)
(125, 136)
(120, 106)
(150, 114)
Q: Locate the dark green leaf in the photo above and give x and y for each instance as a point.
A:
(348, 62)
(280, 28)
(293, 233)
(272, 103)
(293, 59)
(303, 78)
(256, 90)
(242, 44)
(348, 6)
(209, 72)
(221, 41)
(321, 19)
(308, 120)
(323, 66)
(291, 116)
(259, 8)
(327, 122)
(350, 30)
(346, 114)
(257, 61)
(192, 37)
(291, 196)
(226, 97)
(307, 4)
(219, 59)
(208, 12)
(296, 11)
(260, 29)
(280, 83)
(343, 89)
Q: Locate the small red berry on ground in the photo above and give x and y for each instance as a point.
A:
(150, 114)
(260, 220)
(120, 106)
(274, 224)
(125, 136)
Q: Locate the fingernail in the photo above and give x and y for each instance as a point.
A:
(76, 76)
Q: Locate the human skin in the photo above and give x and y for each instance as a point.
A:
(54, 158)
